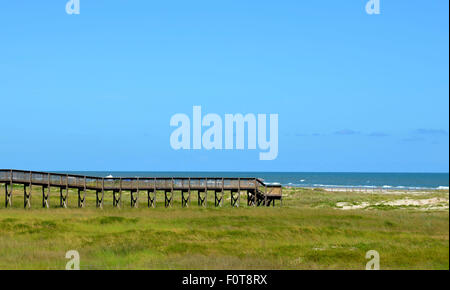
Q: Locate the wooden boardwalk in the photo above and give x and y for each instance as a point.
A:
(258, 193)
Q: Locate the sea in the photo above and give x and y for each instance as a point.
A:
(309, 179)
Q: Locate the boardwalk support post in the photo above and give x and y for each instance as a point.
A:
(265, 195)
(97, 198)
(235, 198)
(8, 193)
(218, 199)
(239, 193)
(46, 193)
(115, 200)
(60, 191)
(82, 199)
(222, 194)
(119, 202)
(185, 194)
(184, 198)
(135, 199)
(151, 196)
(44, 198)
(255, 200)
(206, 193)
(189, 193)
(27, 195)
(136, 204)
(63, 196)
(168, 197)
(201, 199)
(103, 193)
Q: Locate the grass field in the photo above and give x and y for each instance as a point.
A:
(309, 232)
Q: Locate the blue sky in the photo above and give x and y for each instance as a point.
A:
(96, 91)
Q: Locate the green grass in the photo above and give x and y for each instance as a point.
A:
(308, 232)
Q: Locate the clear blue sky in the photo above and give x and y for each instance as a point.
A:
(353, 92)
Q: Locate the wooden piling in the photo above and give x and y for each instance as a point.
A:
(256, 193)
(152, 197)
(206, 192)
(63, 196)
(27, 195)
(45, 196)
(119, 201)
(135, 199)
(265, 195)
(189, 192)
(82, 199)
(9, 193)
(168, 194)
(103, 193)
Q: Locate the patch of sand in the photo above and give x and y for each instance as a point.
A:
(416, 202)
(347, 205)
(423, 204)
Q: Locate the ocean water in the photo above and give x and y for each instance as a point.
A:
(310, 179)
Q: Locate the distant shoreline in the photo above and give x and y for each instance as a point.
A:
(371, 188)
(337, 180)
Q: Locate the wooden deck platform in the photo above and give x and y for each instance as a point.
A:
(258, 193)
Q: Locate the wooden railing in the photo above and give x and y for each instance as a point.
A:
(127, 183)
